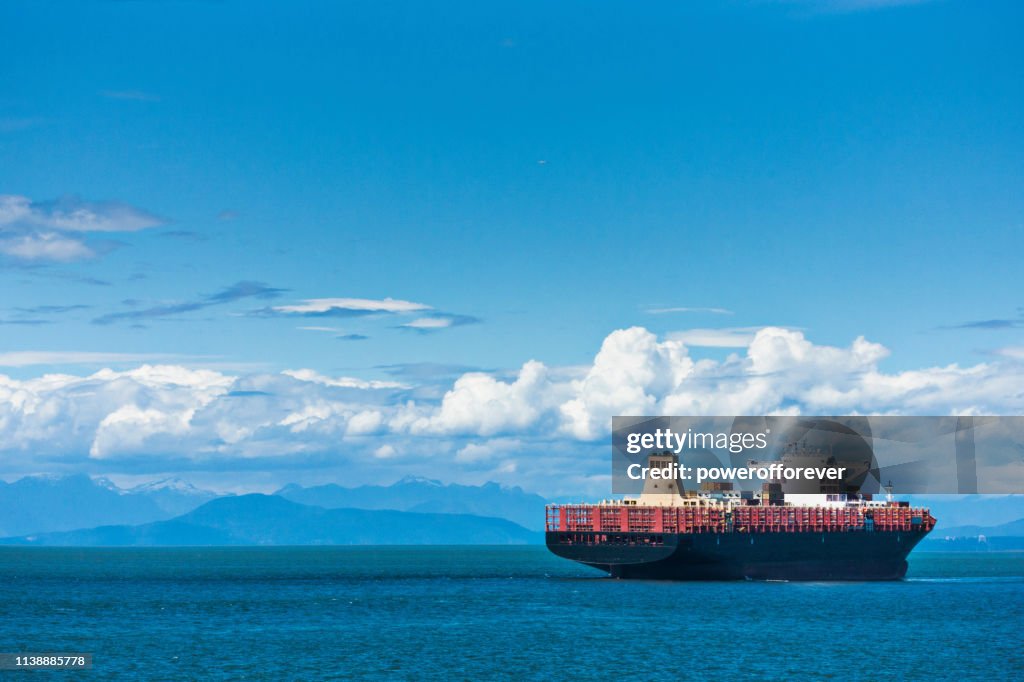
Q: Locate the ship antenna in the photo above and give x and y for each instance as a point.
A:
(888, 491)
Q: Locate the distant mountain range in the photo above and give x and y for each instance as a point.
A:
(48, 504)
(953, 511)
(1013, 528)
(1004, 537)
(82, 510)
(426, 495)
(272, 520)
(55, 503)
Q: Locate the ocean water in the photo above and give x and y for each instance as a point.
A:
(471, 613)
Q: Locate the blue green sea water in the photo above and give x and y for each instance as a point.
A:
(470, 613)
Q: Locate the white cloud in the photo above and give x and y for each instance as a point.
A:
(482, 405)
(159, 411)
(28, 358)
(630, 372)
(45, 246)
(365, 423)
(488, 450)
(74, 215)
(330, 330)
(429, 323)
(729, 337)
(14, 208)
(342, 382)
(128, 429)
(1014, 352)
(325, 306)
(385, 452)
(50, 231)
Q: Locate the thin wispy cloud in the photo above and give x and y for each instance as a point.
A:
(339, 334)
(424, 319)
(55, 231)
(728, 337)
(845, 6)
(438, 321)
(28, 358)
(427, 370)
(24, 322)
(428, 323)
(72, 214)
(14, 125)
(1012, 352)
(186, 235)
(347, 307)
(244, 289)
(38, 270)
(687, 309)
(131, 95)
(991, 324)
(47, 246)
(235, 292)
(52, 309)
(29, 316)
(995, 324)
(314, 377)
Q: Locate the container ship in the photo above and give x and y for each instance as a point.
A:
(722, 534)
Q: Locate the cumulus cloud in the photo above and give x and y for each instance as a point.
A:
(480, 404)
(384, 452)
(201, 414)
(629, 375)
(53, 231)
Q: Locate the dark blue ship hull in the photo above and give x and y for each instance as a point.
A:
(805, 555)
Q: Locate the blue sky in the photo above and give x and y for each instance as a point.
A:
(532, 176)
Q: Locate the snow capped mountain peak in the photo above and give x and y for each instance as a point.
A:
(104, 482)
(171, 484)
(421, 480)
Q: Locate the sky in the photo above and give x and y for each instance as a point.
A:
(252, 244)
